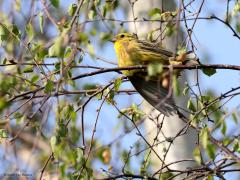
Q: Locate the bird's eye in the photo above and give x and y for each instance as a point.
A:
(122, 36)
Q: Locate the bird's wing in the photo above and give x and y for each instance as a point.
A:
(154, 94)
(154, 48)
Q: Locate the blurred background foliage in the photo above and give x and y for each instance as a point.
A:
(60, 119)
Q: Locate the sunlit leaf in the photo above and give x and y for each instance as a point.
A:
(117, 84)
(30, 31)
(72, 9)
(49, 87)
(191, 106)
(41, 21)
(204, 137)
(55, 3)
(154, 69)
(197, 155)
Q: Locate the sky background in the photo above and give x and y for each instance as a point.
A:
(215, 44)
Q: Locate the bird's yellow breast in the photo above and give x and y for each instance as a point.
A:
(126, 55)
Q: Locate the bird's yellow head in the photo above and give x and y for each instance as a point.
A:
(124, 37)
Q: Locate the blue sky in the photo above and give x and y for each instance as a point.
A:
(212, 39)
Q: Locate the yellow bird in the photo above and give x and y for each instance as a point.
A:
(131, 52)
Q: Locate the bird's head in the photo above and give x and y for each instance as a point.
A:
(124, 37)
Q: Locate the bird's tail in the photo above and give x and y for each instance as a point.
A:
(154, 93)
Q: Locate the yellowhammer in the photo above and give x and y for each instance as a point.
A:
(131, 51)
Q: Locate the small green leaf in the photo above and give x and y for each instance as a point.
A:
(68, 52)
(62, 130)
(89, 86)
(224, 128)
(30, 32)
(236, 146)
(197, 155)
(176, 86)
(56, 50)
(155, 14)
(3, 133)
(34, 79)
(210, 177)
(191, 106)
(234, 116)
(17, 5)
(211, 151)
(204, 137)
(91, 50)
(4, 61)
(41, 20)
(154, 11)
(209, 72)
(170, 28)
(91, 14)
(185, 91)
(154, 69)
(16, 31)
(104, 10)
(55, 3)
(28, 69)
(117, 84)
(53, 143)
(72, 9)
(49, 87)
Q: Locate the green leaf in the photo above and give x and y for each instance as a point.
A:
(238, 27)
(82, 37)
(197, 155)
(224, 128)
(209, 71)
(236, 146)
(28, 69)
(68, 52)
(4, 61)
(210, 177)
(191, 106)
(62, 130)
(49, 87)
(211, 151)
(53, 143)
(154, 11)
(91, 50)
(3, 133)
(41, 20)
(91, 14)
(56, 50)
(204, 137)
(155, 14)
(55, 3)
(34, 79)
(176, 86)
(3, 103)
(89, 86)
(104, 10)
(72, 9)
(170, 28)
(154, 69)
(30, 32)
(185, 91)
(16, 31)
(4, 33)
(17, 5)
(117, 84)
(235, 119)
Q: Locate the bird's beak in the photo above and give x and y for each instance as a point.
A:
(113, 40)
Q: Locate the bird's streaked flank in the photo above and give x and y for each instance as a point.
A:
(131, 52)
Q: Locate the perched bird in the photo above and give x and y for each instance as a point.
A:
(131, 52)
